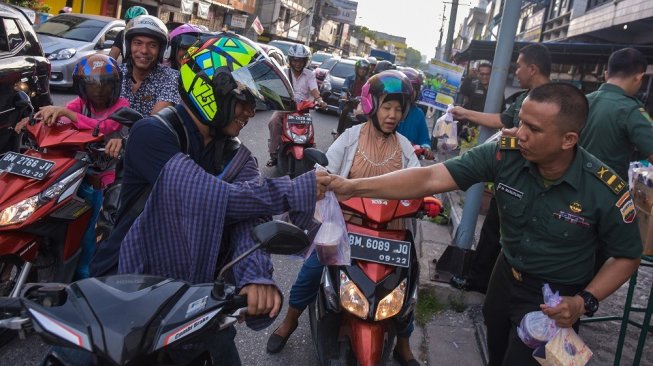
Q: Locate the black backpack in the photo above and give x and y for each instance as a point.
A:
(113, 210)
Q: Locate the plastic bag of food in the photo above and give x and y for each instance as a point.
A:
(446, 132)
(536, 328)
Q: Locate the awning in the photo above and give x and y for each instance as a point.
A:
(561, 53)
(214, 2)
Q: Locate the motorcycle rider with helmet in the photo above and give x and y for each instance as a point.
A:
(414, 126)
(365, 150)
(97, 81)
(373, 61)
(147, 84)
(181, 39)
(218, 99)
(305, 86)
(383, 65)
(351, 89)
(118, 45)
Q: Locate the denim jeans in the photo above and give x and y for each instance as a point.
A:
(304, 291)
(89, 240)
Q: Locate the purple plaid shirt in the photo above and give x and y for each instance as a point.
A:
(190, 214)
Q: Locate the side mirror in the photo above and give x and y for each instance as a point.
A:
(279, 237)
(22, 101)
(126, 116)
(316, 156)
(104, 45)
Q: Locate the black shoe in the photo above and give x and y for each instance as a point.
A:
(402, 362)
(459, 282)
(277, 342)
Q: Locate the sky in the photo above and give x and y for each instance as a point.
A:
(417, 20)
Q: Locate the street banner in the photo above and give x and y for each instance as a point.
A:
(203, 10)
(187, 6)
(441, 84)
(258, 27)
(341, 11)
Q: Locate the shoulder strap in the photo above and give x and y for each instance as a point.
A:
(508, 143)
(171, 119)
(610, 179)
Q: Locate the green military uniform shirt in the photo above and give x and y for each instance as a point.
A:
(510, 117)
(553, 233)
(616, 125)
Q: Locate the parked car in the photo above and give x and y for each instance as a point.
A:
(318, 58)
(67, 38)
(282, 45)
(321, 71)
(332, 85)
(23, 66)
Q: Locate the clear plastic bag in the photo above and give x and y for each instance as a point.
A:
(446, 132)
(332, 241)
(536, 328)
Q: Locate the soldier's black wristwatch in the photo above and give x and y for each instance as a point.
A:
(591, 303)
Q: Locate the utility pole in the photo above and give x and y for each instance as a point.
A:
(438, 50)
(464, 236)
(451, 30)
(310, 23)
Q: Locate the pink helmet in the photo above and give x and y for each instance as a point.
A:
(184, 28)
(183, 37)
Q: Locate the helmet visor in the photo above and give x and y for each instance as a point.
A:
(186, 40)
(265, 81)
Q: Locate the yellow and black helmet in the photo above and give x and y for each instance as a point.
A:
(228, 68)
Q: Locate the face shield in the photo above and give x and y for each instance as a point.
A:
(265, 81)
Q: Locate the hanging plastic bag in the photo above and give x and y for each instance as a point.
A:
(446, 132)
(331, 241)
(536, 328)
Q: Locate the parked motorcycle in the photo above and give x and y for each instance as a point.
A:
(43, 215)
(297, 135)
(140, 319)
(354, 317)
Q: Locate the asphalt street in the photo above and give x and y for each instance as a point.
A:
(251, 344)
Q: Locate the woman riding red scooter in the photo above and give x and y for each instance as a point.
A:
(365, 150)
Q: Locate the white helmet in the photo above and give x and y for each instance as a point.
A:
(372, 60)
(299, 51)
(149, 26)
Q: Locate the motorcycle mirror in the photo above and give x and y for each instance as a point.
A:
(316, 156)
(361, 118)
(278, 237)
(275, 237)
(126, 116)
(23, 101)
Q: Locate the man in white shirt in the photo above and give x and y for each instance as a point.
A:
(305, 87)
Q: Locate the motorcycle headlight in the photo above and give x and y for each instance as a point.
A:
(20, 211)
(390, 305)
(62, 54)
(299, 139)
(351, 297)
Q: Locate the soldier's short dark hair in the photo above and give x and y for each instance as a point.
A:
(572, 102)
(626, 62)
(484, 64)
(538, 55)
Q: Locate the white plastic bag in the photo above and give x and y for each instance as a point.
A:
(536, 328)
(332, 241)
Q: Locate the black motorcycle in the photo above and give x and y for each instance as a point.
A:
(140, 319)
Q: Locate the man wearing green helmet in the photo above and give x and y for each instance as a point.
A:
(219, 84)
(131, 13)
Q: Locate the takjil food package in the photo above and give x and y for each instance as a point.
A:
(564, 349)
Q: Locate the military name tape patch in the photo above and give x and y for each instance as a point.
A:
(510, 191)
(623, 199)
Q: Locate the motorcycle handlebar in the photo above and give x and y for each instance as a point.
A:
(10, 305)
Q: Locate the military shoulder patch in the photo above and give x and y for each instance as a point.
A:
(645, 114)
(610, 179)
(508, 143)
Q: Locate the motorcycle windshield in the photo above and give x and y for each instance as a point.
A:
(267, 83)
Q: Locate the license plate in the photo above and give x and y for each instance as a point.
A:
(300, 120)
(380, 250)
(25, 165)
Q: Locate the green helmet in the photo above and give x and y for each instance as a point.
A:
(230, 68)
(134, 11)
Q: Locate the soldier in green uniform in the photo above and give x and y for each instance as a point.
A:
(533, 69)
(617, 121)
(558, 205)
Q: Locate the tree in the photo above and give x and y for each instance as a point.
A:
(36, 5)
(413, 57)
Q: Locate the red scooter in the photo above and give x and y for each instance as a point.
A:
(297, 135)
(354, 317)
(42, 217)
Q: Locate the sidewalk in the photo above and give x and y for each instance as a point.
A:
(453, 338)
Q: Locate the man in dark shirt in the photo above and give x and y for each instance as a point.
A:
(475, 89)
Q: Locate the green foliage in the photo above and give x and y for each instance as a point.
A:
(36, 5)
(427, 306)
(413, 57)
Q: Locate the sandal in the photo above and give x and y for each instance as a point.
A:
(272, 162)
